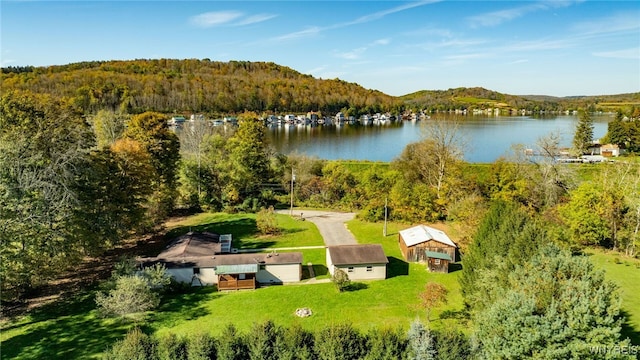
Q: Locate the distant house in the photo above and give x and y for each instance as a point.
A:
(203, 259)
(610, 150)
(360, 262)
(419, 242)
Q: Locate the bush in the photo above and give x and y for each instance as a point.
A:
(171, 347)
(267, 222)
(131, 295)
(339, 342)
(231, 345)
(201, 347)
(341, 280)
(135, 346)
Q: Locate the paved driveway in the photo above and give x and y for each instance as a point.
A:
(331, 225)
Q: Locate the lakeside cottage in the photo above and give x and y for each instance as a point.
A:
(202, 258)
(360, 262)
(427, 244)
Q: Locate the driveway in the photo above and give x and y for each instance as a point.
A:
(331, 225)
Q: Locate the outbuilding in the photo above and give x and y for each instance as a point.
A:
(416, 242)
(360, 262)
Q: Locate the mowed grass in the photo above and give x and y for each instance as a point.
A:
(625, 272)
(74, 330)
(294, 233)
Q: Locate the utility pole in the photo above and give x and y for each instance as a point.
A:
(293, 178)
(384, 230)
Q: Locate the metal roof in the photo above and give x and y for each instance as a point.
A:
(437, 255)
(422, 233)
(236, 269)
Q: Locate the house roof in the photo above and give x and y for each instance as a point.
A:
(437, 255)
(357, 254)
(197, 244)
(192, 244)
(423, 233)
(226, 260)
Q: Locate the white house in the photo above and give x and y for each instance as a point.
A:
(360, 262)
(203, 259)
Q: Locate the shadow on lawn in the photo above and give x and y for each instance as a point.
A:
(628, 331)
(397, 267)
(68, 330)
(355, 286)
(239, 228)
(175, 308)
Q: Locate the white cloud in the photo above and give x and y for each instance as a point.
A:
(235, 18)
(316, 70)
(382, 42)
(498, 17)
(633, 53)
(314, 30)
(256, 19)
(214, 18)
(361, 20)
(612, 24)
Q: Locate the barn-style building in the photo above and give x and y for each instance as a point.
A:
(425, 244)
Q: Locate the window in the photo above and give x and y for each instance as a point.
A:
(369, 268)
(437, 261)
(242, 276)
(196, 271)
(350, 269)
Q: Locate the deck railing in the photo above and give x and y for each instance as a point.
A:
(236, 284)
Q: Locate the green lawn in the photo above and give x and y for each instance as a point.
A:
(73, 330)
(243, 227)
(625, 273)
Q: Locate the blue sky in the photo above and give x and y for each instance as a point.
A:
(558, 47)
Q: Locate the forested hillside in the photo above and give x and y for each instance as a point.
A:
(213, 87)
(202, 86)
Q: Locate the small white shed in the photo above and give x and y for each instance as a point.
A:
(360, 262)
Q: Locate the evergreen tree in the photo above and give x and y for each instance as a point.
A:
(583, 137)
(556, 306)
(421, 342)
(507, 237)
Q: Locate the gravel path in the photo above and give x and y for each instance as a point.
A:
(331, 225)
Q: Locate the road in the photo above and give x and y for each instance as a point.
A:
(331, 225)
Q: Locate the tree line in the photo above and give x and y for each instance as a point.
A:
(268, 341)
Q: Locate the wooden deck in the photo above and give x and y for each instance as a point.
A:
(231, 283)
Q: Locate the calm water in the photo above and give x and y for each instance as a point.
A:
(488, 137)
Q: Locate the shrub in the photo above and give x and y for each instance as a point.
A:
(171, 347)
(231, 345)
(339, 342)
(131, 295)
(201, 347)
(341, 280)
(135, 346)
(267, 222)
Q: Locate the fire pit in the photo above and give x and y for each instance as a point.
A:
(303, 312)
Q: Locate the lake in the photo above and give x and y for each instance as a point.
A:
(488, 137)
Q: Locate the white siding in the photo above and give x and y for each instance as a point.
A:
(330, 263)
(208, 276)
(279, 273)
(359, 272)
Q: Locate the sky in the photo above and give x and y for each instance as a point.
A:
(557, 48)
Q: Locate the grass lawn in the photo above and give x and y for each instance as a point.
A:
(73, 330)
(625, 273)
(245, 232)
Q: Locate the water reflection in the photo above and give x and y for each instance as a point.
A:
(488, 137)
